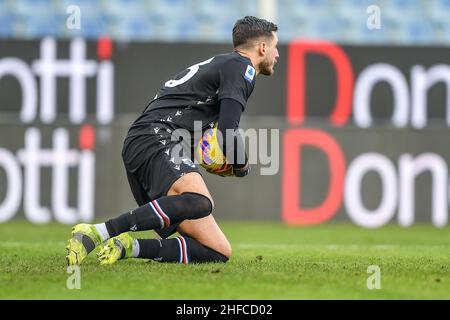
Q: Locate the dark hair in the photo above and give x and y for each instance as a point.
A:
(250, 28)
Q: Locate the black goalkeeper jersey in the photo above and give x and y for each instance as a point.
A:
(194, 94)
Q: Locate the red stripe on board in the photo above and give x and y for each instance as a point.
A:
(104, 48)
(86, 138)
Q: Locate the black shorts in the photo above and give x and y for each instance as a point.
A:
(150, 165)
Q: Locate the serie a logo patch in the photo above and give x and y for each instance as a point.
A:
(249, 73)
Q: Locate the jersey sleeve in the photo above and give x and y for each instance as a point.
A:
(228, 125)
(236, 81)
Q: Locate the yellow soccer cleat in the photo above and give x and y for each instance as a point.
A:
(116, 248)
(85, 238)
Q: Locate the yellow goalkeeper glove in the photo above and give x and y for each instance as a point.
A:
(210, 155)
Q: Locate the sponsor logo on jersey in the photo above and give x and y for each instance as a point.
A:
(249, 73)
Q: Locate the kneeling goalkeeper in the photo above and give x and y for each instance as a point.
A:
(171, 195)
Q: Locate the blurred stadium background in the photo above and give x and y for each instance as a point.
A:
(361, 90)
(361, 99)
(404, 22)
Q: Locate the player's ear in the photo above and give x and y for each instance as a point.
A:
(262, 48)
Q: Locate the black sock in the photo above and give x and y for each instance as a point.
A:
(161, 213)
(180, 249)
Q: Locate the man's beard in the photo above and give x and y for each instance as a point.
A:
(265, 68)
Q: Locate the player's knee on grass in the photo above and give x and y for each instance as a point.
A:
(181, 249)
(220, 246)
(200, 254)
(226, 250)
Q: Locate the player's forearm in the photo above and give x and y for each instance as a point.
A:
(228, 125)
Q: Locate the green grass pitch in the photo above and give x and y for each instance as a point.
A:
(270, 261)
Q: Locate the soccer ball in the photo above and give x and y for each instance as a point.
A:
(210, 156)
